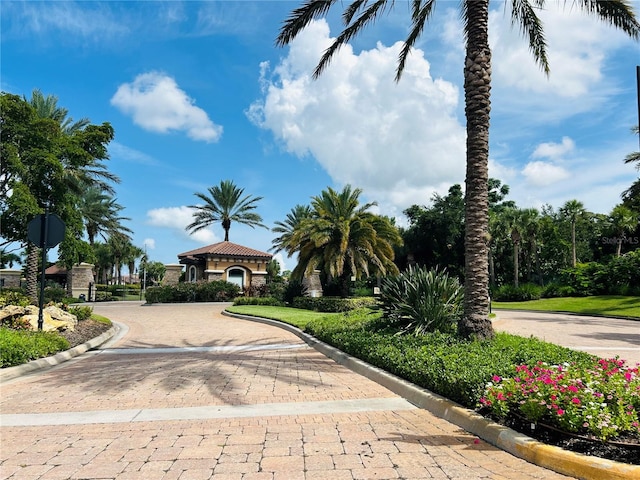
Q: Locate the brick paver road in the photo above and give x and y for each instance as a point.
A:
(190, 394)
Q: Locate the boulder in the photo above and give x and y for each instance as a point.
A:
(11, 311)
(53, 318)
(58, 314)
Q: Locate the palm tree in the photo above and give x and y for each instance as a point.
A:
(513, 222)
(343, 239)
(47, 107)
(631, 196)
(572, 210)
(477, 86)
(100, 211)
(289, 227)
(225, 204)
(7, 259)
(622, 220)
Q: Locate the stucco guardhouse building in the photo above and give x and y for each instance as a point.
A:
(227, 261)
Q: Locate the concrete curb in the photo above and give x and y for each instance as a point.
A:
(554, 458)
(48, 362)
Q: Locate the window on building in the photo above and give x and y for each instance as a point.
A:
(236, 276)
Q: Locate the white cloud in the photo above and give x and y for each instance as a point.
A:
(177, 219)
(578, 47)
(157, 104)
(149, 243)
(281, 260)
(399, 142)
(540, 174)
(554, 150)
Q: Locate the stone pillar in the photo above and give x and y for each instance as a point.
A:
(258, 280)
(312, 284)
(81, 282)
(172, 274)
(10, 278)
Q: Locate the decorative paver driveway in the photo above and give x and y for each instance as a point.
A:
(189, 394)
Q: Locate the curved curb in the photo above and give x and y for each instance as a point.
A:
(41, 363)
(562, 312)
(553, 458)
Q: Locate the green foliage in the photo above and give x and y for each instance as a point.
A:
(293, 289)
(619, 276)
(455, 368)
(81, 313)
(333, 304)
(599, 399)
(54, 293)
(13, 297)
(269, 301)
(17, 347)
(216, 291)
(421, 300)
(523, 293)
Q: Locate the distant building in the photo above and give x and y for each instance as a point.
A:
(227, 261)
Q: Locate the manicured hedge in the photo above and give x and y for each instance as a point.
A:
(268, 301)
(333, 304)
(216, 291)
(18, 347)
(449, 366)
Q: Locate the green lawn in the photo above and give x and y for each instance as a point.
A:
(293, 316)
(613, 305)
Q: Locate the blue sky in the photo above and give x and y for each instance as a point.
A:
(197, 93)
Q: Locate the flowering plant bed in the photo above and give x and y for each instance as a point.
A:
(595, 406)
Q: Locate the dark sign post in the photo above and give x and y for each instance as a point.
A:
(45, 231)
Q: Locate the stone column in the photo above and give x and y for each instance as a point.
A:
(10, 278)
(312, 284)
(81, 282)
(172, 274)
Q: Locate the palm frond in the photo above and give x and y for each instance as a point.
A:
(419, 16)
(618, 13)
(369, 15)
(300, 18)
(523, 13)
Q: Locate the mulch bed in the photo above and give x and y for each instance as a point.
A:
(624, 450)
(85, 330)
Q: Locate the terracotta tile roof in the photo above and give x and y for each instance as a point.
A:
(55, 270)
(226, 249)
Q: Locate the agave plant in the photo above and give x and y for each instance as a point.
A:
(420, 300)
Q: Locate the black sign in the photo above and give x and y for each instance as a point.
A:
(54, 226)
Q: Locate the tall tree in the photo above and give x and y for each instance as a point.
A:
(623, 220)
(631, 196)
(477, 85)
(572, 211)
(343, 239)
(226, 204)
(100, 213)
(47, 107)
(287, 228)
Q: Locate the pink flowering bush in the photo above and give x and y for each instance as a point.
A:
(602, 400)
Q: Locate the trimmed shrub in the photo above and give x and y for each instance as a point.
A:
(523, 293)
(54, 293)
(81, 313)
(455, 368)
(292, 290)
(421, 300)
(13, 297)
(17, 347)
(216, 291)
(269, 301)
(333, 304)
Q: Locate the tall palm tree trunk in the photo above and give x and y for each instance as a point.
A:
(516, 264)
(32, 272)
(573, 245)
(477, 87)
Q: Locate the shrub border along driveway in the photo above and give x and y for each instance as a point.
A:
(547, 456)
